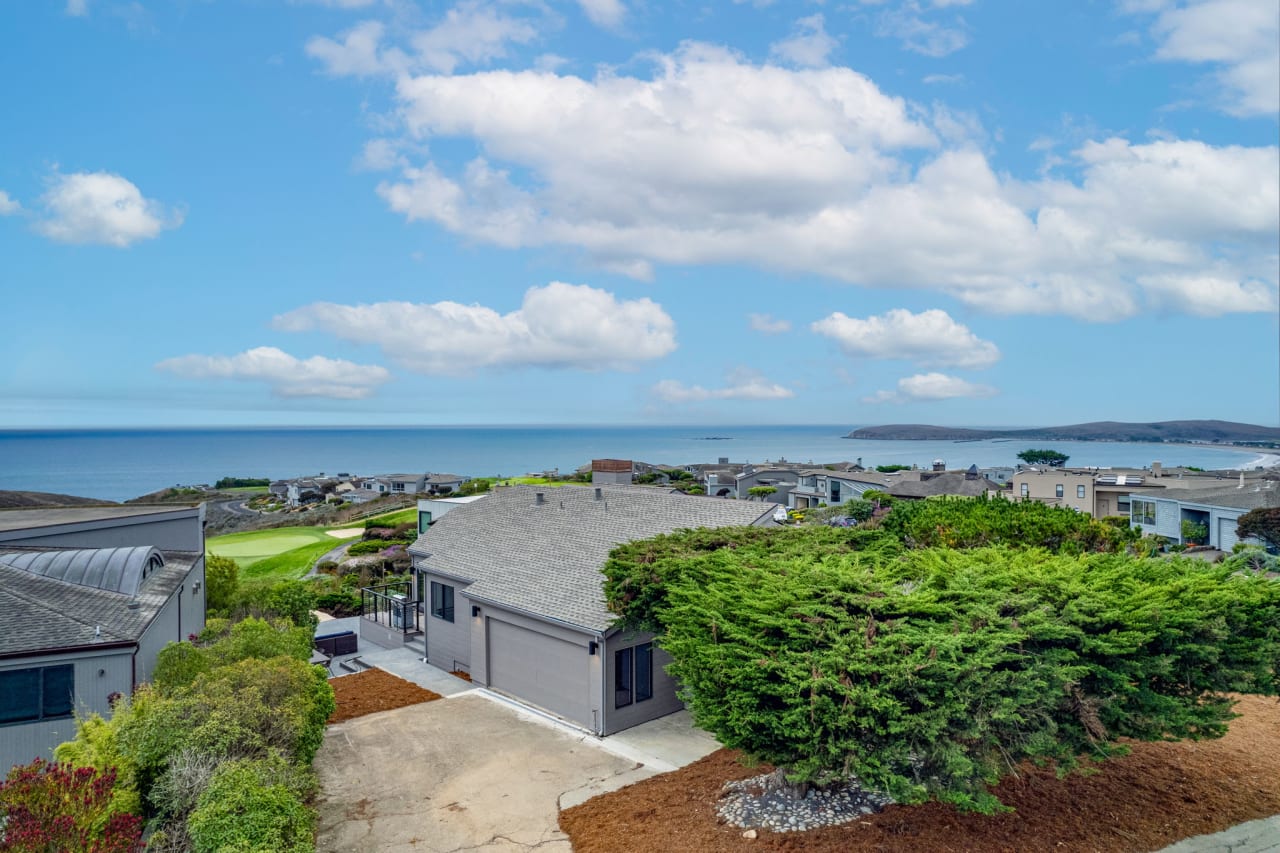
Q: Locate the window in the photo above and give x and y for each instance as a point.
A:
(38, 693)
(442, 601)
(1057, 491)
(1142, 512)
(632, 675)
(424, 521)
(835, 492)
(397, 486)
(1024, 489)
(1079, 491)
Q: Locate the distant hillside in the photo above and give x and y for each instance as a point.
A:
(1219, 432)
(29, 500)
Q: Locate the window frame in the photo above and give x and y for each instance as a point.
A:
(1080, 491)
(632, 675)
(1059, 490)
(1024, 490)
(42, 687)
(440, 593)
(1138, 512)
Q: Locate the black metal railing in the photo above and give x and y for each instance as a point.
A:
(392, 606)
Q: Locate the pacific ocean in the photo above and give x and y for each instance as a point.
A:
(118, 464)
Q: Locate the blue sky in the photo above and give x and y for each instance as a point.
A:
(254, 212)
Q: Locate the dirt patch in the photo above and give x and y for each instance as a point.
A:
(457, 673)
(374, 690)
(1159, 794)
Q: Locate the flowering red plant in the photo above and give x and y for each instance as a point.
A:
(50, 807)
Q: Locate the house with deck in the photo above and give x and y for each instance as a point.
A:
(511, 592)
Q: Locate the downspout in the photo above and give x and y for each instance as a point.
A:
(604, 691)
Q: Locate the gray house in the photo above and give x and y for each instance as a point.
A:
(1218, 509)
(88, 597)
(513, 594)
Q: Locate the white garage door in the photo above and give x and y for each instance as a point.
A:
(1227, 538)
(542, 670)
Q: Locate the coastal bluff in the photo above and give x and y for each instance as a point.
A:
(1207, 431)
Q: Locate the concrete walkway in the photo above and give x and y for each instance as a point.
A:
(1256, 836)
(406, 664)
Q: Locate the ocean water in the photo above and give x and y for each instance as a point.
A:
(117, 464)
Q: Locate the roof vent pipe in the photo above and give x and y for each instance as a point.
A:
(539, 498)
(599, 493)
(1241, 486)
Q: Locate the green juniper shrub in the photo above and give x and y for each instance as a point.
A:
(255, 805)
(930, 673)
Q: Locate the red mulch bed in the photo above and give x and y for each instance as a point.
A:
(374, 690)
(1158, 794)
(457, 673)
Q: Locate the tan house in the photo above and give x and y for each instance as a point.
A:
(1105, 491)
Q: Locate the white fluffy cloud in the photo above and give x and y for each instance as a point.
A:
(930, 338)
(1240, 37)
(100, 207)
(768, 325)
(8, 204)
(808, 46)
(743, 384)
(930, 387)
(471, 33)
(712, 159)
(557, 326)
(287, 375)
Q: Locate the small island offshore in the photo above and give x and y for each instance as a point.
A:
(1180, 432)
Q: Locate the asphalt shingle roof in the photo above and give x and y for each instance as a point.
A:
(40, 613)
(546, 559)
(1247, 498)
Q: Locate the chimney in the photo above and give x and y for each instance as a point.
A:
(1155, 470)
(539, 498)
(599, 493)
(1241, 486)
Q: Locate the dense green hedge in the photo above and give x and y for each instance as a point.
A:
(926, 674)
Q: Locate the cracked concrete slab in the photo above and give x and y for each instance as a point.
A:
(1256, 836)
(462, 774)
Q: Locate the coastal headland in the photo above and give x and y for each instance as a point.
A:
(1220, 433)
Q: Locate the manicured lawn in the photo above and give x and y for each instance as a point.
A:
(284, 552)
(541, 481)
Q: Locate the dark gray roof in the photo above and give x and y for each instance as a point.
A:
(112, 569)
(1250, 497)
(43, 614)
(444, 478)
(546, 559)
(20, 519)
(948, 483)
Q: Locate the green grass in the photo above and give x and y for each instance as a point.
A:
(247, 490)
(283, 552)
(540, 481)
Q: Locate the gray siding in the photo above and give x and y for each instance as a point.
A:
(448, 643)
(664, 699)
(182, 615)
(23, 742)
(1169, 520)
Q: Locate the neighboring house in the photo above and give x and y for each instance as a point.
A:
(781, 479)
(817, 486)
(279, 490)
(721, 482)
(930, 484)
(611, 472)
(514, 596)
(88, 598)
(442, 484)
(1218, 509)
(432, 510)
(360, 496)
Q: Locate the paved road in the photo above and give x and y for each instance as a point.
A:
(335, 555)
(237, 507)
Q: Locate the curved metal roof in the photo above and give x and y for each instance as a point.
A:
(112, 569)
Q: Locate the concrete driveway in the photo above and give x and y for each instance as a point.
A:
(466, 772)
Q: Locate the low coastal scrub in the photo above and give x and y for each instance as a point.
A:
(216, 752)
